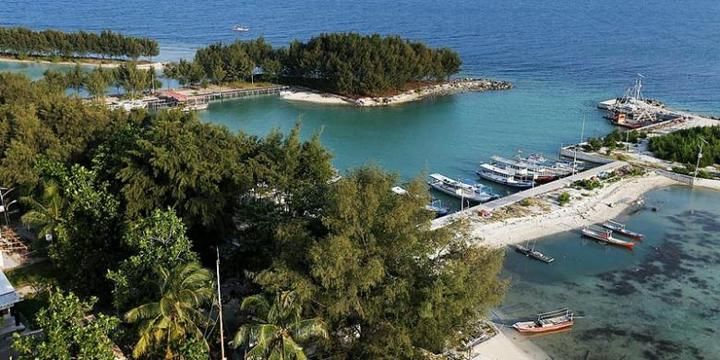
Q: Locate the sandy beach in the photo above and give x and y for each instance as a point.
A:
(584, 209)
(508, 345)
(157, 65)
(314, 97)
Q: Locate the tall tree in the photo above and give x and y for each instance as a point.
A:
(276, 330)
(68, 332)
(156, 241)
(386, 284)
(176, 316)
(45, 215)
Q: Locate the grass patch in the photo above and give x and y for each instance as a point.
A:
(42, 272)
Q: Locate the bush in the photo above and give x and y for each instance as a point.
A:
(588, 184)
(564, 198)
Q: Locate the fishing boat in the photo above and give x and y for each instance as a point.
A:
(474, 193)
(435, 205)
(620, 229)
(532, 253)
(547, 322)
(239, 28)
(195, 107)
(606, 237)
(503, 176)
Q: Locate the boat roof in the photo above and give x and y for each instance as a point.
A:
(8, 295)
(496, 169)
(444, 178)
(399, 190)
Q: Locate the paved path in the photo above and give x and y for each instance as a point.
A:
(513, 198)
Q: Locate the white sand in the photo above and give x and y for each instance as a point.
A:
(157, 65)
(314, 97)
(508, 345)
(581, 211)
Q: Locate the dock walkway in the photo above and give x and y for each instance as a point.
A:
(519, 196)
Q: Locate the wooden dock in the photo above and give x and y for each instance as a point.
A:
(165, 102)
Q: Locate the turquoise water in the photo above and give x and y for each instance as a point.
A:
(563, 56)
(658, 301)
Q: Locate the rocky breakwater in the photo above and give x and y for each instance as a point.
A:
(442, 89)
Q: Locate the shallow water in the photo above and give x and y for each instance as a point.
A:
(659, 301)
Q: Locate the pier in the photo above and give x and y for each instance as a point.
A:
(519, 196)
(188, 98)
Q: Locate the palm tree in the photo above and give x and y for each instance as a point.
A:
(177, 315)
(275, 329)
(45, 215)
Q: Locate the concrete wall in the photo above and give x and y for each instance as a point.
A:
(685, 179)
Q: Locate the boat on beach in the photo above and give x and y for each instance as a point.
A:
(463, 191)
(606, 237)
(622, 230)
(547, 322)
(532, 253)
(503, 176)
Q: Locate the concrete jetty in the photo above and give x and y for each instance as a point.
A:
(519, 196)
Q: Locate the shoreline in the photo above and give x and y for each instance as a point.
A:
(457, 86)
(507, 345)
(82, 62)
(603, 204)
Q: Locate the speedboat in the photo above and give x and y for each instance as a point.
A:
(239, 28)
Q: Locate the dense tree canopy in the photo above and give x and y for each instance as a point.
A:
(345, 63)
(69, 332)
(132, 199)
(24, 42)
(683, 146)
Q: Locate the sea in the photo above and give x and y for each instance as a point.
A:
(563, 57)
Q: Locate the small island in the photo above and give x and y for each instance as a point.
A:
(52, 46)
(338, 68)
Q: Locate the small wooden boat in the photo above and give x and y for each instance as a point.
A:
(606, 237)
(532, 253)
(620, 229)
(547, 322)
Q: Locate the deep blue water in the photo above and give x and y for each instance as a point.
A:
(583, 44)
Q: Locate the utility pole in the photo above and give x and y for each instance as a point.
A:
(699, 156)
(222, 339)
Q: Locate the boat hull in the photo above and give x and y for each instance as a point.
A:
(607, 239)
(519, 185)
(530, 327)
(476, 199)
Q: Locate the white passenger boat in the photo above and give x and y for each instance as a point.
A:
(474, 193)
(504, 176)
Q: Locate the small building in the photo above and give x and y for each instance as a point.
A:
(8, 298)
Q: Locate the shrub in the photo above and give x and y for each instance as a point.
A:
(564, 198)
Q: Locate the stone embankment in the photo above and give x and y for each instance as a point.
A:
(443, 89)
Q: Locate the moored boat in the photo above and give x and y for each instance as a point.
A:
(435, 205)
(606, 237)
(474, 193)
(620, 229)
(547, 322)
(532, 253)
(503, 176)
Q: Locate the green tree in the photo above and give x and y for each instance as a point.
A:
(275, 331)
(156, 241)
(182, 163)
(176, 317)
(75, 78)
(46, 214)
(386, 284)
(68, 332)
(97, 82)
(88, 241)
